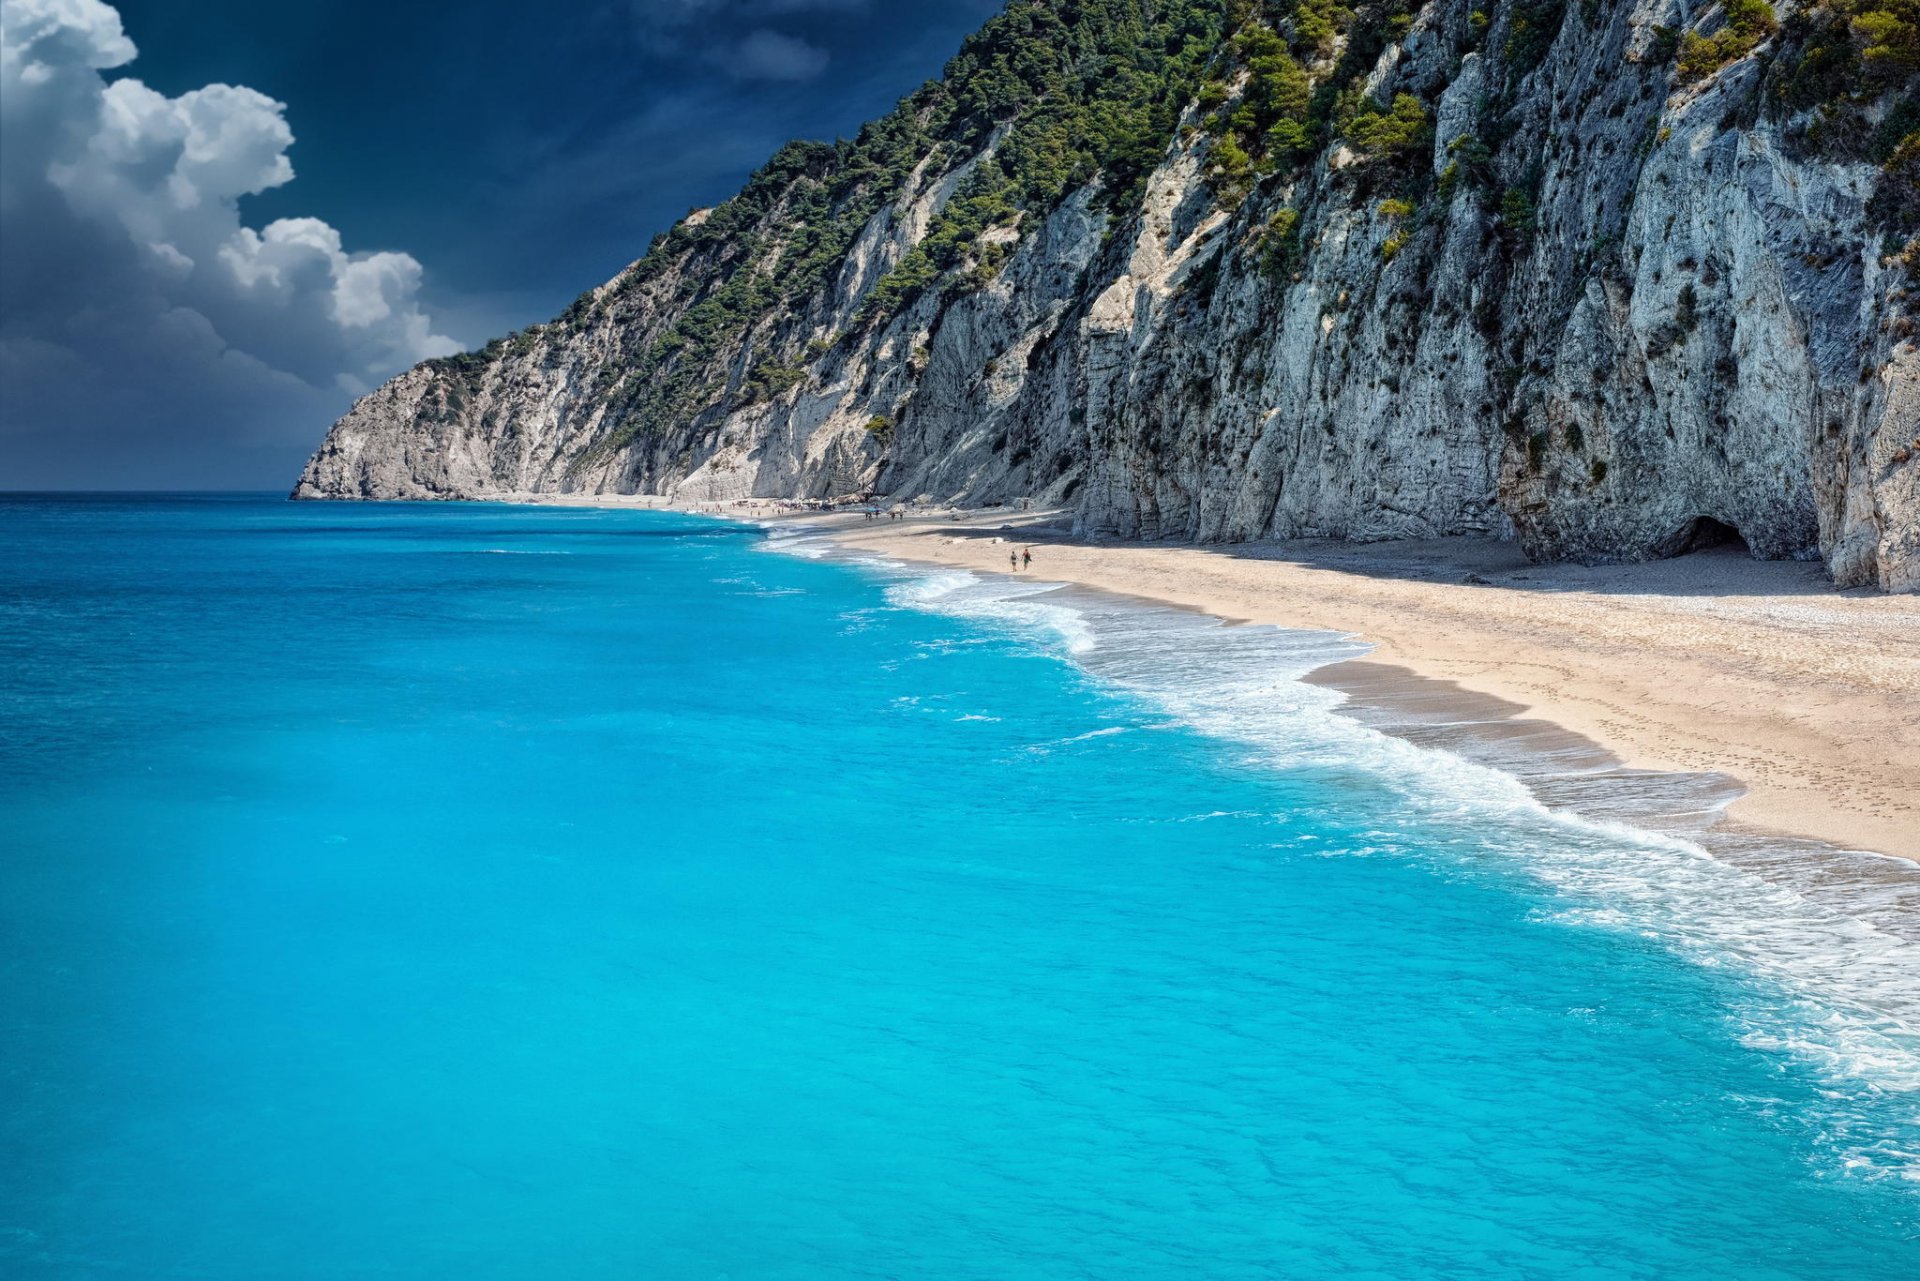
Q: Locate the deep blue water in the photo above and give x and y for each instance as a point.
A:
(427, 892)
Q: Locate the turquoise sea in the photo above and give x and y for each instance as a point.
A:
(473, 893)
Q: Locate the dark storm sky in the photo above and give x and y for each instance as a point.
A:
(175, 312)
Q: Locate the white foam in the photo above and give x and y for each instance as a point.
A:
(1848, 992)
(790, 542)
(1016, 603)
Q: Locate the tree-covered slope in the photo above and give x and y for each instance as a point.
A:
(1604, 276)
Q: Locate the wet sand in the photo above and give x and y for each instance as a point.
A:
(1712, 665)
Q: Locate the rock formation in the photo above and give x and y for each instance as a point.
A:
(1613, 278)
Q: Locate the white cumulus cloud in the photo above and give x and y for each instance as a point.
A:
(125, 256)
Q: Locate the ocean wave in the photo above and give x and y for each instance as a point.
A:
(790, 542)
(1828, 984)
(1018, 604)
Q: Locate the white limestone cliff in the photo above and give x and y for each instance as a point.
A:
(1701, 334)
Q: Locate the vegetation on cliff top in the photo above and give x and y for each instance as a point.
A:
(1066, 92)
(1075, 91)
(1052, 95)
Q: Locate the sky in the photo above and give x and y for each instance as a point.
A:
(221, 221)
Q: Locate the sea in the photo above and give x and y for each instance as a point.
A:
(446, 892)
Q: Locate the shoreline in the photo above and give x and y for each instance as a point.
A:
(1796, 702)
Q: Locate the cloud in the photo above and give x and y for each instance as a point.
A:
(705, 29)
(130, 284)
(664, 15)
(769, 55)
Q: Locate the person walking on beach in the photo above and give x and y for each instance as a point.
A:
(1013, 560)
(1026, 558)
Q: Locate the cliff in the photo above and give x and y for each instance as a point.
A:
(1616, 279)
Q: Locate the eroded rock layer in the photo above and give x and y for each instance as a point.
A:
(1614, 279)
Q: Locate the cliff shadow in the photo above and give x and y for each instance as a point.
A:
(1710, 560)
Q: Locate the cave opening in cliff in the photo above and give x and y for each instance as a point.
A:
(1705, 534)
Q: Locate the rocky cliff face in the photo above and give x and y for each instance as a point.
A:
(1615, 279)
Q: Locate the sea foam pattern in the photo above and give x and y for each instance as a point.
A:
(1840, 986)
(372, 905)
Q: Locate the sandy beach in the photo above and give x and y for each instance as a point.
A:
(1808, 697)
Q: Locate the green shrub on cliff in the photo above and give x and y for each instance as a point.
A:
(1091, 89)
(1889, 39)
(1292, 99)
(1846, 78)
(1269, 125)
(1398, 129)
(1748, 22)
(1280, 244)
(1896, 199)
(1517, 212)
(1229, 167)
(768, 380)
(1071, 91)
(1316, 25)
(1277, 87)
(1531, 30)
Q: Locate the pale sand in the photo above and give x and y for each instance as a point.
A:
(1713, 662)
(1808, 696)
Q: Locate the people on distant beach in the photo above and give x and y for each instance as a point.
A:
(1026, 558)
(1013, 560)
